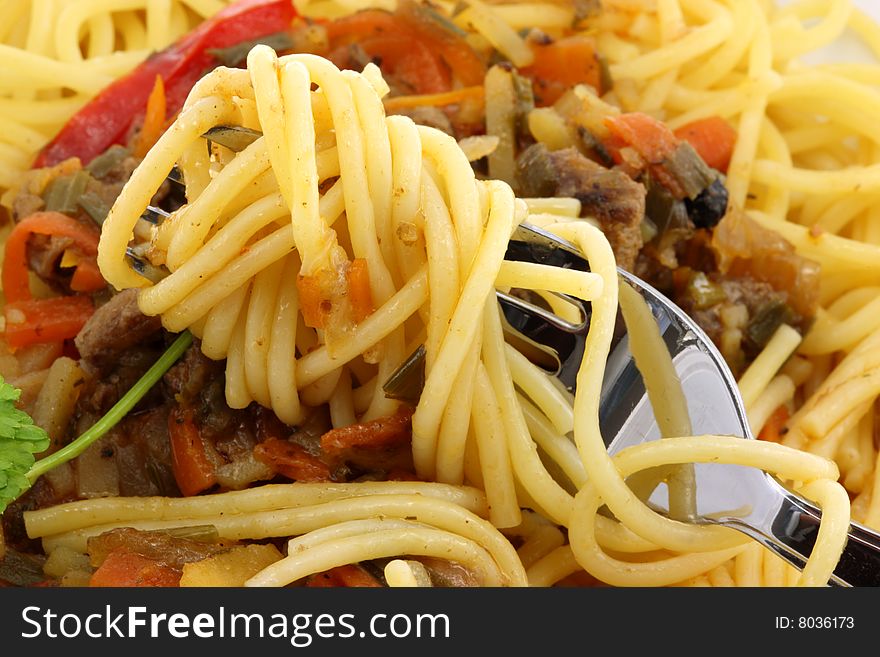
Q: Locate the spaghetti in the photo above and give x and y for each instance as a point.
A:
(316, 258)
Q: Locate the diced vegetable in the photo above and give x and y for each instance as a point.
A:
(64, 192)
(110, 159)
(562, 64)
(764, 323)
(685, 173)
(94, 206)
(193, 469)
(21, 569)
(230, 569)
(57, 399)
(63, 560)
(651, 139)
(386, 39)
(703, 292)
(713, 138)
(408, 380)
(129, 569)
(359, 294)
(501, 102)
(415, 44)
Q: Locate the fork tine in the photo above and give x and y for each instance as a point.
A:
(528, 243)
(547, 332)
(144, 267)
(154, 215)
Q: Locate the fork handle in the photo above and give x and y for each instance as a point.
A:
(792, 533)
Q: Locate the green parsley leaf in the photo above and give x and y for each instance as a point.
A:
(20, 439)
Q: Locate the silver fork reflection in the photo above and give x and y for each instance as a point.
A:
(744, 498)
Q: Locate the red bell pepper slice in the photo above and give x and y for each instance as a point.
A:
(106, 119)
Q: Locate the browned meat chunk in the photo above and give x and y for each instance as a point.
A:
(610, 196)
(115, 327)
(44, 253)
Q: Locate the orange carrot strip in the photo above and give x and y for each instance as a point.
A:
(154, 119)
(774, 427)
(359, 293)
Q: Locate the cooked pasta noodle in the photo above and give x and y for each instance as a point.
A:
(262, 256)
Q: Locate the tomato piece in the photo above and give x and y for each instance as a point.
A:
(650, 138)
(408, 54)
(407, 58)
(713, 138)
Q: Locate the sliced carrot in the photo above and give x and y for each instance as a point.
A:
(453, 97)
(774, 428)
(192, 468)
(291, 460)
(713, 138)
(311, 300)
(383, 432)
(350, 576)
(122, 568)
(154, 120)
(359, 293)
(40, 321)
(562, 64)
(87, 277)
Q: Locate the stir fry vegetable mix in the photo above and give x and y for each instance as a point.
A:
(658, 195)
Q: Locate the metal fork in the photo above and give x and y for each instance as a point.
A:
(746, 499)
